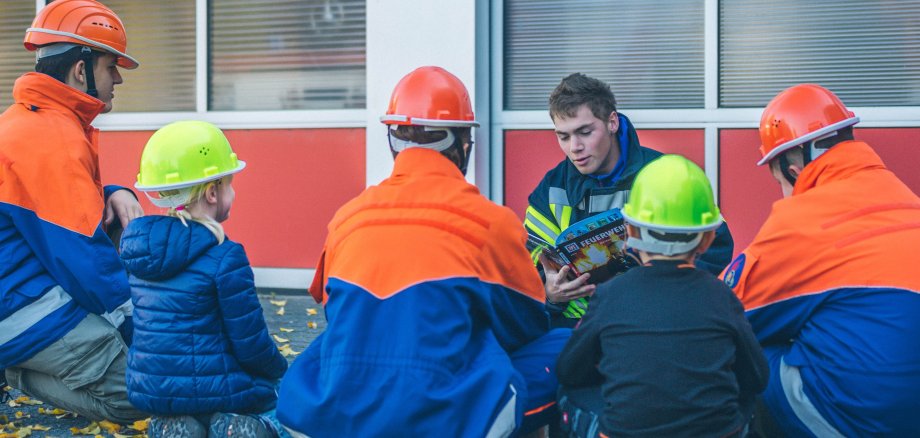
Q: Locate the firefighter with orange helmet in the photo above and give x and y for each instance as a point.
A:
(829, 283)
(436, 323)
(64, 294)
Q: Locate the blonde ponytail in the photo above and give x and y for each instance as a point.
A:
(182, 213)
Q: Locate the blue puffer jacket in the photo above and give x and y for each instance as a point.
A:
(200, 340)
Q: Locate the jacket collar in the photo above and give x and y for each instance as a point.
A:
(415, 161)
(841, 161)
(44, 92)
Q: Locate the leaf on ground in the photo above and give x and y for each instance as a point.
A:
(311, 325)
(285, 330)
(108, 426)
(280, 312)
(280, 339)
(92, 429)
(287, 351)
(311, 311)
(279, 303)
(140, 425)
(27, 401)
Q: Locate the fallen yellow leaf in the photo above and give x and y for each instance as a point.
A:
(280, 311)
(311, 311)
(278, 302)
(280, 339)
(287, 351)
(285, 330)
(140, 425)
(311, 325)
(27, 401)
(109, 426)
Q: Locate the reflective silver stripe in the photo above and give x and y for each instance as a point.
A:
(20, 321)
(557, 214)
(558, 200)
(504, 422)
(801, 406)
(117, 316)
(599, 203)
(95, 43)
(536, 222)
(558, 196)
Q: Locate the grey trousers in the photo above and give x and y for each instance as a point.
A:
(83, 372)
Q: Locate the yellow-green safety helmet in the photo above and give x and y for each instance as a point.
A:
(670, 195)
(184, 154)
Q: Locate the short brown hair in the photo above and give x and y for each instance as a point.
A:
(576, 90)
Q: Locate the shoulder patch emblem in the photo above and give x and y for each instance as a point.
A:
(734, 271)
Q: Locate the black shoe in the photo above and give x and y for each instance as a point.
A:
(176, 427)
(235, 425)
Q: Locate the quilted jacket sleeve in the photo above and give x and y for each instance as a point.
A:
(242, 316)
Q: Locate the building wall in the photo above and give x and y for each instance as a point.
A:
(294, 181)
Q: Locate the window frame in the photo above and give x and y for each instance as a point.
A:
(275, 119)
(710, 119)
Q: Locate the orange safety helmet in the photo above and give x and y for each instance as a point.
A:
(82, 22)
(801, 114)
(430, 96)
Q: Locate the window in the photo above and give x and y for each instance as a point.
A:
(161, 36)
(287, 54)
(651, 53)
(866, 52)
(15, 18)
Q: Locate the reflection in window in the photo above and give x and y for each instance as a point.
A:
(287, 54)
(15, 18)
(650, 52)
(866, 52)
(162, 39)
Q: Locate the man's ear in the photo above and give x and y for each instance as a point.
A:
(613, 122)
(795, 170)
(76, 76)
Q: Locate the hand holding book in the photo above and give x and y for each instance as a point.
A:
(594, 246)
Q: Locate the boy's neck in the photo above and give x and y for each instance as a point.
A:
(647, 257)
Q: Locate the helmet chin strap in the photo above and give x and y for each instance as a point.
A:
(86, 54)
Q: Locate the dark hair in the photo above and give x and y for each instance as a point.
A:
(58, 65)
(576, 90)
(418, 134)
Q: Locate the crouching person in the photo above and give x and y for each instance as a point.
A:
(436, 322)
(202, 357)
(664, 349)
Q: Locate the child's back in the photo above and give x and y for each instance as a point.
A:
(666, 346)
(201, 344)
(676, 354)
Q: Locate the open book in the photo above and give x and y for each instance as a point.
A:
(592, 245)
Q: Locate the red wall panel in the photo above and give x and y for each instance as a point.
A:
(530, 154)
(293, 183)
(747, 191)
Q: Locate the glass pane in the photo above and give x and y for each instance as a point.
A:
(868, 52)
(15, 18)
(650, 52)
(287, 54)
(162, 38)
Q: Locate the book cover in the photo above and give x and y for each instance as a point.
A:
(592, 245)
